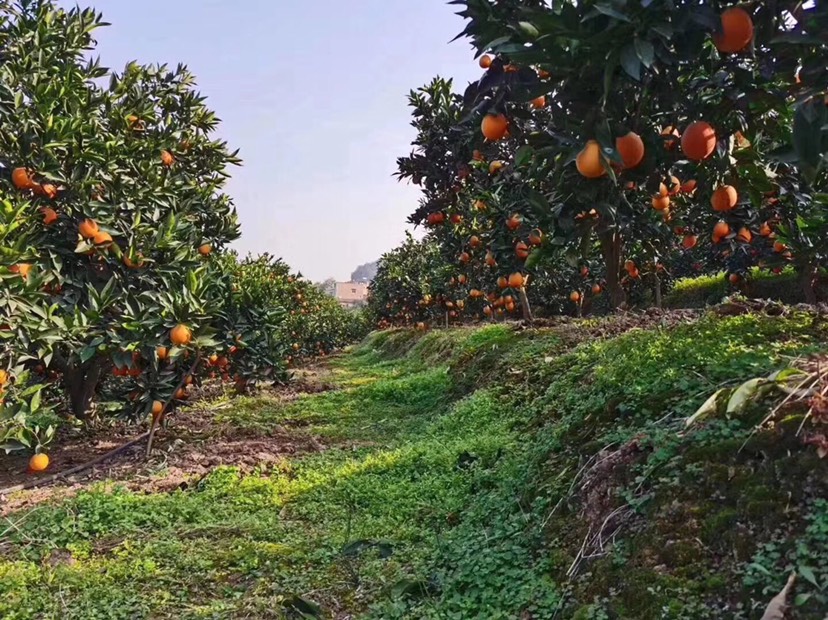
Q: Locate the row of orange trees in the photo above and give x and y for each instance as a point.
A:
(609, 144)
(117, 290)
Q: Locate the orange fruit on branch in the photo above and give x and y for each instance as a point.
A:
(50, 216)
(575, 296)
(46, 189)
(102, 238)
(736, 31)
(485, 61)
(661, 203)
(589, 161)
(721, 230)
(698, 141)
(494, 127)
(516, 280)
(513, 223)
(596, 289)
(88, 228)
(180, 335)
(167, 158)
(671, 137)
(724, 198)
(38, 463)
(536, 236)
(157, 408)
(689, 241)
(538, 102)
(631, 149)
(205, 249)
(22, 178)
(521, 250)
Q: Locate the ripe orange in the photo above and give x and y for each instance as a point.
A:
(744, 235)
(485, 61)
(584, 271)
(765, 229)
(689, 241)
(161, 353)
(779, 247)
(4, 377)
(478, 156)
(575, 296)
(721, 230)
(724, 198)
(475, 293)
(435, 218)
(521, 250)
(538, 102)
(596, 289)
(479, 205)
(88, 228)
(631, 149)
(543, 74)
(474, 241)
(456, 218)
(494, 127)
(167, 158)
(102, 238)
(461, 279)
(134, 264)
(495, 167)
(629, 265)
(38, 463)
(180, 394)
(487, 311)
(22, 178)
(736, 33)
(689, 187)
(516, 280)
(204, 249)
(671, 137)
(698, 141)
(50, 216)
(46, 189)
(672, 190)
(513, 223)
(180, 335)
(589, 162)
(490, 259)
(536, 236)
(661, 203)
(464, 257)
(22, 269)
(157, 408)
(734, 278)
(502, 282)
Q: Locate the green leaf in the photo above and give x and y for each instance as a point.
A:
(630, 61)
(808, 573)
(611, 12)
(645, 51)
(523, 155)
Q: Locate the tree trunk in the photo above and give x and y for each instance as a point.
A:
(524, 304)
(82, 384)
(611, 248)
(657, 289)
(808, 281)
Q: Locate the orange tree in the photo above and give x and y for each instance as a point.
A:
(635, 131)
(112, 226)
(413, 284)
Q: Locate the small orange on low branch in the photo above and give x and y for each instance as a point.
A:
(516, 280)
(50, 216)
(661, 203)
(485, 61)
(38, 463)
(167, 158)
(180, 335)
(88, 228)
(23, 178)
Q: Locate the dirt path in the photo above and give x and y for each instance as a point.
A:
(194, 441)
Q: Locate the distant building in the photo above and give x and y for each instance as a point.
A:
(351, 294)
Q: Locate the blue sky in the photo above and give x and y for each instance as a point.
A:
(313, 93)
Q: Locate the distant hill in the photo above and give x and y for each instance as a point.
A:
(364, 273)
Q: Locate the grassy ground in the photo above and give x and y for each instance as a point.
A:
(472, 473)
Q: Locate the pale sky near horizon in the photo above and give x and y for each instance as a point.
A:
(314, 96)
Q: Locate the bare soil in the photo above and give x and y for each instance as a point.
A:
(192, 442)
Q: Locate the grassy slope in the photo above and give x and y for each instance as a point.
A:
(459, 490)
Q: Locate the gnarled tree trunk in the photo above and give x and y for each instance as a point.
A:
(808, 281)
(81, 383)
